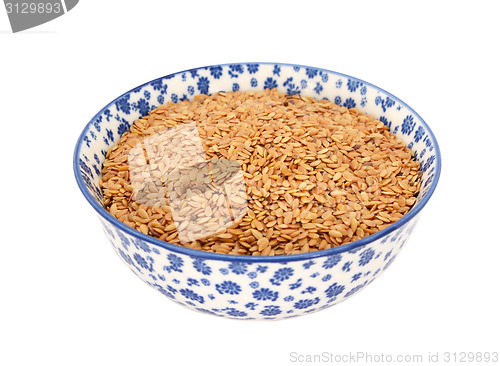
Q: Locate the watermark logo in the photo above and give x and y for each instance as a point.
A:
(26, 14)
(205, 196)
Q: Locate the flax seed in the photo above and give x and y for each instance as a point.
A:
(312, 175)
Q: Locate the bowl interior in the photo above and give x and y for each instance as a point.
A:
(112, 121)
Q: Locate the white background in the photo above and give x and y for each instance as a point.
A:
(67, 299)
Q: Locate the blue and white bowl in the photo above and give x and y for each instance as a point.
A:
(246, 287)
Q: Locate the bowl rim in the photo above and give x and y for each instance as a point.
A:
(245, 258)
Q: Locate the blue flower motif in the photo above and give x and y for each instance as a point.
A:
(252, 68)
(324, 76)
(311, 73)
(108, 115)
(174, 98)
(224, 271)
(216, 71)
(303, 84)
(123, 104)
(160, 99)
(387, 255)
(192, 282)
(124, 240)
(338, 84)
(165, 291)
(109, 136)
(356, 277)
(428, 163)
(252, 275)
(281, 275)
(291, 89)
(143, 263)
(254, 284)
(238, 268)
(236, 87)
(350, 103)
(270, 83)
(363, 90)
(408, 125)
(261, 269)
(305, 303)
(308, 264)
(295, 285)
(203, 85)
(200, 266)
(87, 170)
(355, 289)
(318, 88)
(191, 90)
(235, 70)
(289, 298)
(147, 95)
(352, 85)
(428, 142)
(205, 282)
(334, 290)
(139, 244)
(347, 266)
(387, 103)
(191, 295)
(125, 257)
(332, 260)
(235, 312)
(271, 310)
(171, 289)
(308, 290)
(157, 84)
(366, 256)
(142, 106)
(253, 82)
(276, 70)
(228, 287)
(176, 262)
(337, 100)
(97, 123)
(251, 305)
(327, 278)
(265, 294)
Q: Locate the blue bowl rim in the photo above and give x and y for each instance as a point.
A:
(257, 259)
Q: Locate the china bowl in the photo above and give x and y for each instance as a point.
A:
(248, 287)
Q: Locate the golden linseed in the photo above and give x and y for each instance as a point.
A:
(259, 173)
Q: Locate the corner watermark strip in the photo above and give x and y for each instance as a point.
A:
(26, 14)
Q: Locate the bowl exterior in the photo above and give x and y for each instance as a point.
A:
(243, 287)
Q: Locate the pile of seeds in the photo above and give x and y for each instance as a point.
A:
(259, 173)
